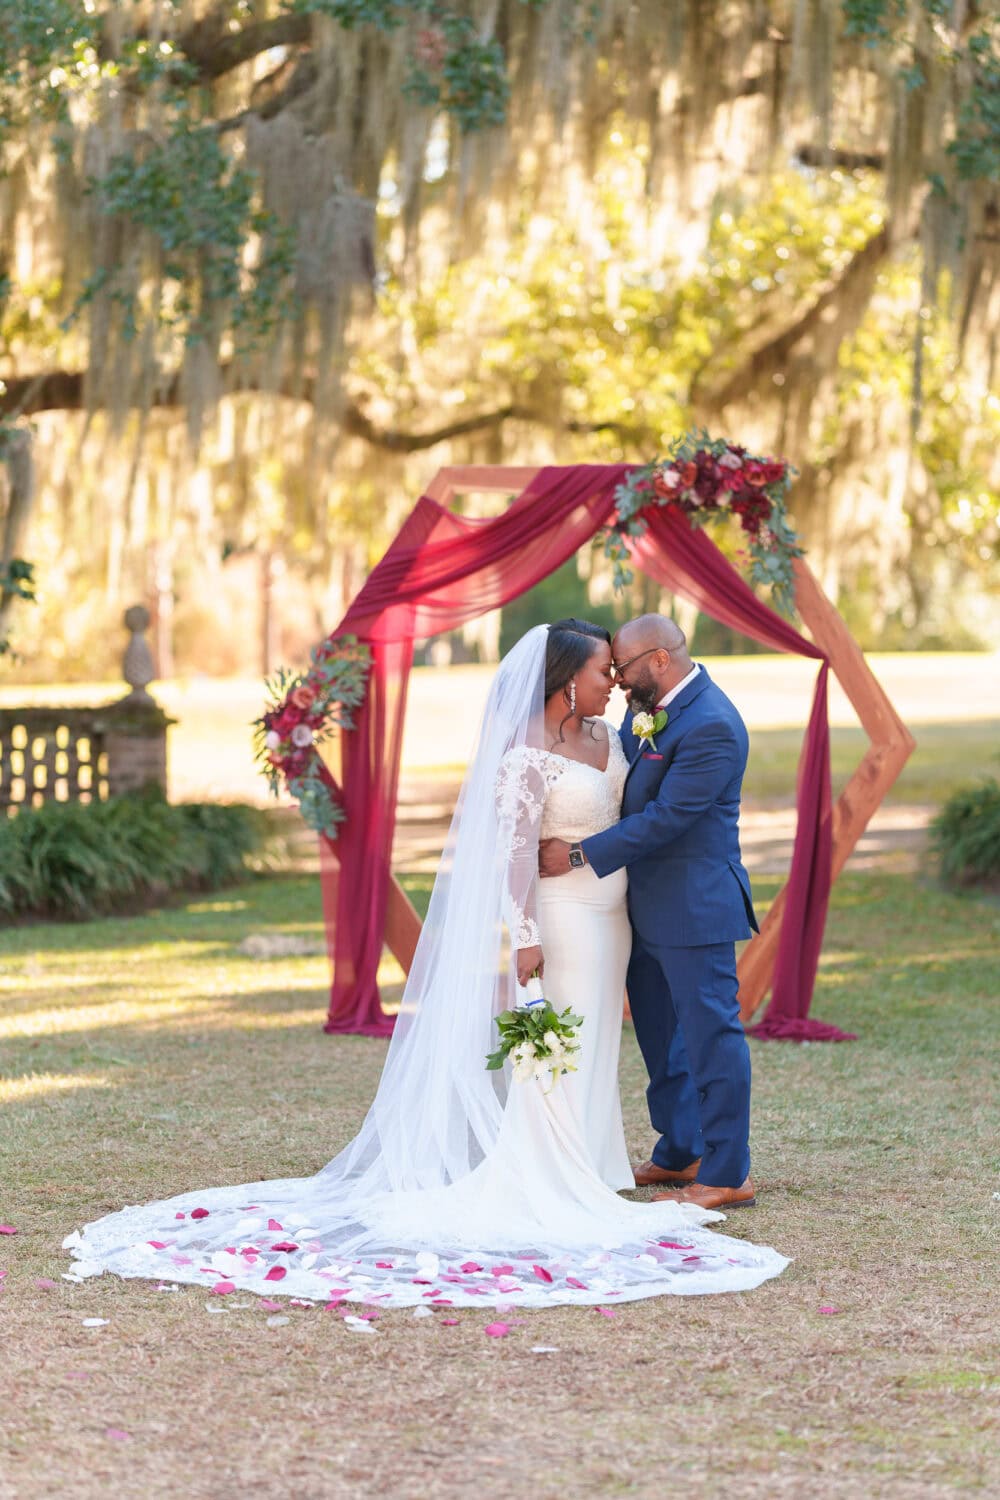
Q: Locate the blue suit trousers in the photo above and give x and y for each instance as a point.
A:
(687, 1023)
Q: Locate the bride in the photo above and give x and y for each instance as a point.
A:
(464, 1186)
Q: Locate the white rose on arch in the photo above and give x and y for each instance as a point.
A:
(302, 735)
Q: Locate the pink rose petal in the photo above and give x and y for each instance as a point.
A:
(541, 1273)
(580, 1285)
(502, 1271)
(156, 1244)
(199, 1213)
(180, 1216)
(224, 1287)
(468, 1266)
(43, 1281)
(268, 1305)
(385, 1265)
(286, 1245)
(276, 1273)
(830, 1311)
(497, 1330)
(449, 1322)
(273, 1224)
(606, 1312)
(7, 1229)
(118, 1434)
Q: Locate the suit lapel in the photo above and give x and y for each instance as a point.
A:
(674, 709)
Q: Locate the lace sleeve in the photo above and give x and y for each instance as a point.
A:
(521, 785)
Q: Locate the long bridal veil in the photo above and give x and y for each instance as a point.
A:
(435, 1120)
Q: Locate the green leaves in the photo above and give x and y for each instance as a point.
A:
(965, 835)
(198, 207)
(528, 1028)
(68, 859)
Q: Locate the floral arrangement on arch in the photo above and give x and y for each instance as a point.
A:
(709, 479)
(304, 710)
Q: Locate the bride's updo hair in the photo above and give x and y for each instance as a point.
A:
(571, 643)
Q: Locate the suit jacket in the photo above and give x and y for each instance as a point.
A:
(679, 832)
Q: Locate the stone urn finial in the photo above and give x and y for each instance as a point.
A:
(137, 666)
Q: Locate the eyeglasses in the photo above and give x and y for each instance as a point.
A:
(619, 672)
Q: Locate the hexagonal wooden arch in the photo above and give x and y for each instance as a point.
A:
(890, 748)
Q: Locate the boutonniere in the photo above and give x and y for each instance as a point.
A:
(646, 727)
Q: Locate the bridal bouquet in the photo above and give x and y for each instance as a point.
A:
(539, 1042)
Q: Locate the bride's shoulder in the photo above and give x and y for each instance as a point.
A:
(601, 730)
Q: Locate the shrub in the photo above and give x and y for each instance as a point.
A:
(70, 859)
(965, 835)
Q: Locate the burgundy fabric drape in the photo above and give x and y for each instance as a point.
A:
(443, 570)
(685, 561)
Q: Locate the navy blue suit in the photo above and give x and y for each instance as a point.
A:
(690, 902)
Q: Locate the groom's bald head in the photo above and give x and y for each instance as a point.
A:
(653, 651)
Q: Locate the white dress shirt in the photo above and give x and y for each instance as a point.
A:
(679, 688)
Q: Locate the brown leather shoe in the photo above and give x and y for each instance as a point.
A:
(703, 1195)
(647, 1174)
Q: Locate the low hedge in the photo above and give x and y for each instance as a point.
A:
(965, 835)
(78, 860)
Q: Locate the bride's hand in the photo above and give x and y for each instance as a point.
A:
(528, 960)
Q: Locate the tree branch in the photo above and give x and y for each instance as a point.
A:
(215, 50)
(824, 322)
(63, 390)
(850, 161)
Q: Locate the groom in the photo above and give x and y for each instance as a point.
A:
(689, 901)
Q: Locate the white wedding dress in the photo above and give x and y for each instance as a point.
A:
(450, 1195)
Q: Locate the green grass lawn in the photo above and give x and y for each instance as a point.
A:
(146, 1056)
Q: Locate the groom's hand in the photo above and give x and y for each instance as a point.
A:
(553, 857)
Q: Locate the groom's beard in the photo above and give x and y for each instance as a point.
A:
(645, 694)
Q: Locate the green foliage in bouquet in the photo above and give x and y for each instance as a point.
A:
(78, 860)
(965, 835)
(536, 1035)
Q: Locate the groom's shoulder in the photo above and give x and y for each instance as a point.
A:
(711, 703)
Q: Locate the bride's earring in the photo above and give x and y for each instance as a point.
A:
(572, 696)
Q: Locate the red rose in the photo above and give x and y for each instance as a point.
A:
(664, 487)
(689, 473)
(286, 720)
(754, 474)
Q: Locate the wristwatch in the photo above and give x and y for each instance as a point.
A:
(577, 858)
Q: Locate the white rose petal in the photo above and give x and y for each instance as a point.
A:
(302, 735)
(272, 739)
(359, 1325)
(95, 1322)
